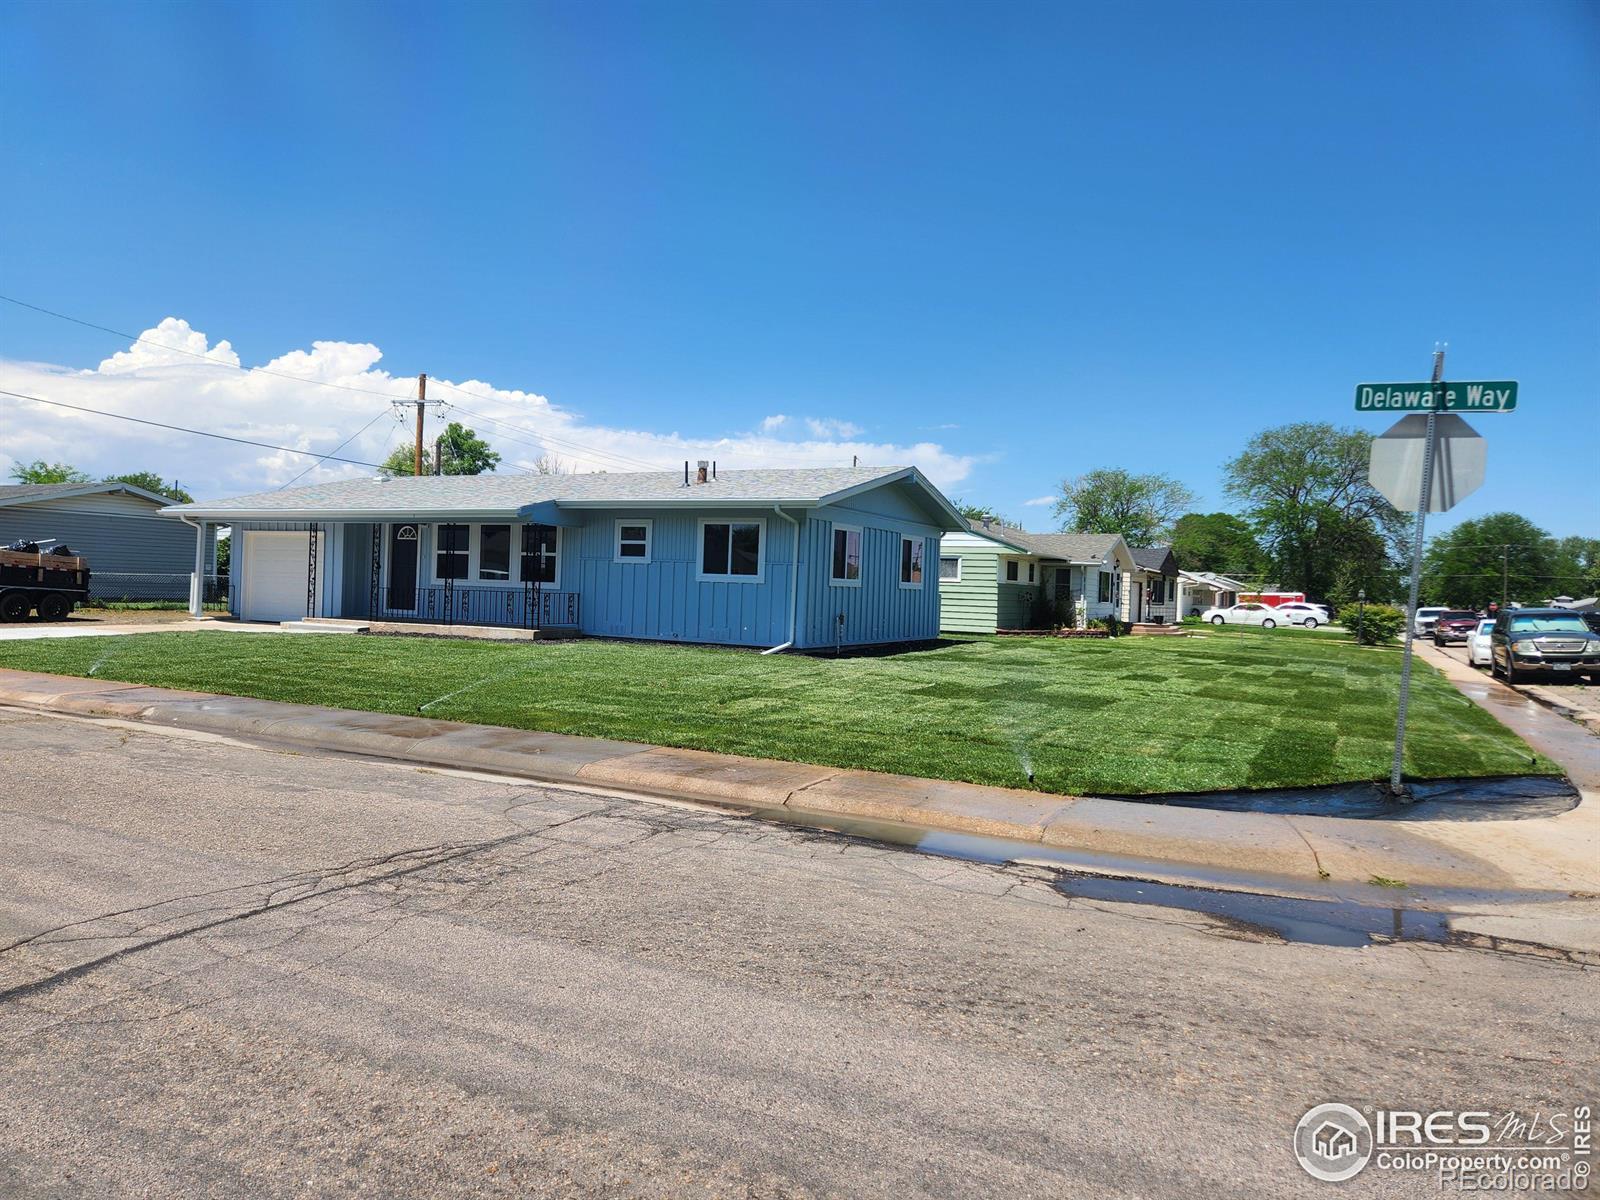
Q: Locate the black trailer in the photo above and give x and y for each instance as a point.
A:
(35, 579)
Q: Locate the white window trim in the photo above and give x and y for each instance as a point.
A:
(649, 540)
(700, 550)
(474, 548)
(955, 558)
(918, 540)
(1004, 567)
(475, 554)
(516, 554)
(434, 578)
(861, 567)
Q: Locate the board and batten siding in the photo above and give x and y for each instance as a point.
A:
(663, 599)
(879, 610)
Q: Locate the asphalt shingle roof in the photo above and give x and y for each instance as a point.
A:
(1151, 558)
(1073, 547)
(13, 493)
(509, 493)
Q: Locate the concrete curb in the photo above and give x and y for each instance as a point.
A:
(1326, 851)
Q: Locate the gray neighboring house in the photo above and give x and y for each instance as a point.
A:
(131, 550)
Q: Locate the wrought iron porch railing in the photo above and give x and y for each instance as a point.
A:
(449, 603)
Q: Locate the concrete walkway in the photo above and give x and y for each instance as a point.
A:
(1540, 860)
(111, 626)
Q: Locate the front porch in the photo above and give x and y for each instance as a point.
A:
(401, 574)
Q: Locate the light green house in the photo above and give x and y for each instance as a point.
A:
(998, 577)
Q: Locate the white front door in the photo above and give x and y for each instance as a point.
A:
(275, 576)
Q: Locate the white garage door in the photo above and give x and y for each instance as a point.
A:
(274, 576)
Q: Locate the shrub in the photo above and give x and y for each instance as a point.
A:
(1378, 626)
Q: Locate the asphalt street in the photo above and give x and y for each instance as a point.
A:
(239, 971)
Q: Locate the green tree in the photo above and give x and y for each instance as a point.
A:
(1502, 557)
(979, 512)
(39, 471)
(462, 450)
(1142, 508)
(1305, 491)
(1577, 567)
(151, 482)
(1218, 542)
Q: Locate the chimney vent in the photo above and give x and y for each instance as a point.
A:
(700, 469)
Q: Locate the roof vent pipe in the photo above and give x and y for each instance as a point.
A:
(686, 472)
(713, 468)
(700, 469)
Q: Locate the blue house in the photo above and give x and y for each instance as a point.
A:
(801, 559)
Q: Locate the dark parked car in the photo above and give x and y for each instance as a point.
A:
(1530, 640)
(1455, 625)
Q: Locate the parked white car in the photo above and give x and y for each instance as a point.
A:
(1298, 612)
(1478, 645)
(1245, 614)
(1422, 623)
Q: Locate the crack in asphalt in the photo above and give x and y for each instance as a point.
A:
(423, 858)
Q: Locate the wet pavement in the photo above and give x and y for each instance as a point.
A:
(237, 971)
(1576, 748)
(1507, 798)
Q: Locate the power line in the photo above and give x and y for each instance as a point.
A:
(543, 440)
(391, 397)
(322, 458)
(184, 429)
(215, 362)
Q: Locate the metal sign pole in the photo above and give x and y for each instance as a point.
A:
(1395, 787)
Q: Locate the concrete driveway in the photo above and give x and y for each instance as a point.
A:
(233, 971)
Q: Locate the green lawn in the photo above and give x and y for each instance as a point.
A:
(1224, 710)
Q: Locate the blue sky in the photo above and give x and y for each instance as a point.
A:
(1044, 237)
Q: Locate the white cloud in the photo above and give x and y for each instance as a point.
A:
(832, 427)
(158, 384)
(170, 343)
(1039, 501)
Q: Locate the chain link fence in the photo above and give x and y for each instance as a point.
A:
(116, 589)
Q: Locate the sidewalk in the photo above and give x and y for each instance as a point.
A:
(1575, 699)
(1539, 860)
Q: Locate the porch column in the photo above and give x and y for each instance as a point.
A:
(197, 579)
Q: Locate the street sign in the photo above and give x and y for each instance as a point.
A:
(1459, 456)
(1494, 396)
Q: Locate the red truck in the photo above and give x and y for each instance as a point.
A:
(1454, 625)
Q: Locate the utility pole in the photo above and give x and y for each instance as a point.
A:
(1436, 401)
(422, 400)
(1505, 569)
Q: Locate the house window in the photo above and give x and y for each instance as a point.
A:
(1158, 590)
(1031, 568)
(633, 541)
(494, 552)
(846, 556)
(1012, 568)
(1105, 587)
(538, 554)
(450, 551)
(731, 550)
(950, 570)
(910, 562)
